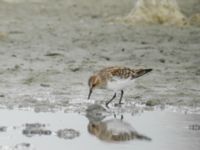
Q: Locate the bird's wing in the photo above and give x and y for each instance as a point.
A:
(139, 72)
(123, 72)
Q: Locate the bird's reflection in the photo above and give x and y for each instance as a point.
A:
(113, 129)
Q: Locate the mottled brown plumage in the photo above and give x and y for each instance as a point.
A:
(115, 78)
(115, 130)
(121, 72)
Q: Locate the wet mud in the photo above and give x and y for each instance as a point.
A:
(48, 50)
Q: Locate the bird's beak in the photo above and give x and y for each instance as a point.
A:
(90, 92)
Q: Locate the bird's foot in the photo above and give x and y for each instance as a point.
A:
(121, 117)
(107, 105)
(118, 104)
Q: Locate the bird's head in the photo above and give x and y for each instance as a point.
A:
(93, 82)
(94, 128)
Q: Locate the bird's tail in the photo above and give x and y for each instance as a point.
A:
(139, 72)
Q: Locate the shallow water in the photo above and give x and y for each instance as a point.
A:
(50, 48)
(167, 130)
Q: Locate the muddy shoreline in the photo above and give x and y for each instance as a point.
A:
(49, 49)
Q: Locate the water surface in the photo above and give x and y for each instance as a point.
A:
(168, 130)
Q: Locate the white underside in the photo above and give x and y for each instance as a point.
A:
(118, 126)
(119, 84)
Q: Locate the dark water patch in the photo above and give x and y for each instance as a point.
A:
(152, 102)
(2, 95)
(67, 133)
(3, 128)
(22, 145)
(194, 127)
(53, 54)
(32, 129)
(44, 85)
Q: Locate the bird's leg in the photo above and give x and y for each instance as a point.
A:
(122, 117)
(110, 100)
(115, 116)
(120, 100)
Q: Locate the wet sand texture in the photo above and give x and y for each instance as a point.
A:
(164, 12)
(48, 50)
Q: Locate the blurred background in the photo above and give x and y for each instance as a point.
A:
(49, 48)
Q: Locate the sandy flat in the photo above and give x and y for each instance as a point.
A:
(49, 48)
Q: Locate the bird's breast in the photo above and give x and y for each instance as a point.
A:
(119, 84)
